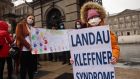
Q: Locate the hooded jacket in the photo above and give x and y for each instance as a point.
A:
(102, 12)
(5, 38)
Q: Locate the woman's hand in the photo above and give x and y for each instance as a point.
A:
(71, 61)
(113, 60)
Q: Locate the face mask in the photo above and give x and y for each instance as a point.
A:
(78, 26)
(94, 21)
(29, 21)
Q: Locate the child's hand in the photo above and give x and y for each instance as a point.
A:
(114, 60)
(71, 61)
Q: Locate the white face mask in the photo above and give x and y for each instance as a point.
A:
(94, 21)
(78, 26)
(29, 21)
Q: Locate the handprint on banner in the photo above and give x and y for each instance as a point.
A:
(42, 34)
(46, 41)
(41, 44)
(45, 48)
(40, 50)
(37, 31)
(35, 45)
(33, 37)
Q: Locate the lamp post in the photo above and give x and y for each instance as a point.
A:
(98, 1)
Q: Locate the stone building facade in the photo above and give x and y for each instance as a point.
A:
(50, 13)
(6, 7)
(125, 23)
(22, 10)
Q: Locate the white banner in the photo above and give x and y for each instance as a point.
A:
(49, 41)
(91, 51)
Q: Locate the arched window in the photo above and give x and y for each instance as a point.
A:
(53, 18)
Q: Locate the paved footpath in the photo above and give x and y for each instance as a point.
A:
(55, 70)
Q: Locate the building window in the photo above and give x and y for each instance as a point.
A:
(115, 20)
(127, 19)
(121, 19)
(128, 25)
(128, 33)
(135, 24)
(134, 32)
(134, 17)
(53, 18)
(115, 26)
(122, 25)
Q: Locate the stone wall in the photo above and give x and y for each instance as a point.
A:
(129, 51)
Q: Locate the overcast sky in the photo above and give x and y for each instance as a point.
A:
(17, 2)
(116, 6)
(112, 6)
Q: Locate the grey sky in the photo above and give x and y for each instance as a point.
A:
(20, 1)
(115, 6)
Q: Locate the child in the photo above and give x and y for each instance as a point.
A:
(92, 15)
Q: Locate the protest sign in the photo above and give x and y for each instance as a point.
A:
(91, 51)
(49, 41)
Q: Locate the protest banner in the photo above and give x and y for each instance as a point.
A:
(91, 51)
(49, 41)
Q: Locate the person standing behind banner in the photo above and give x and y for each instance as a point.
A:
(23, 41)
(55, 55)
(78, 24)
(92, 14)
(5, 41)
(65, 55)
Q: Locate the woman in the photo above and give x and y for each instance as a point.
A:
(5, 41)
(78, 24)
(23, 41)
(92, 15)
